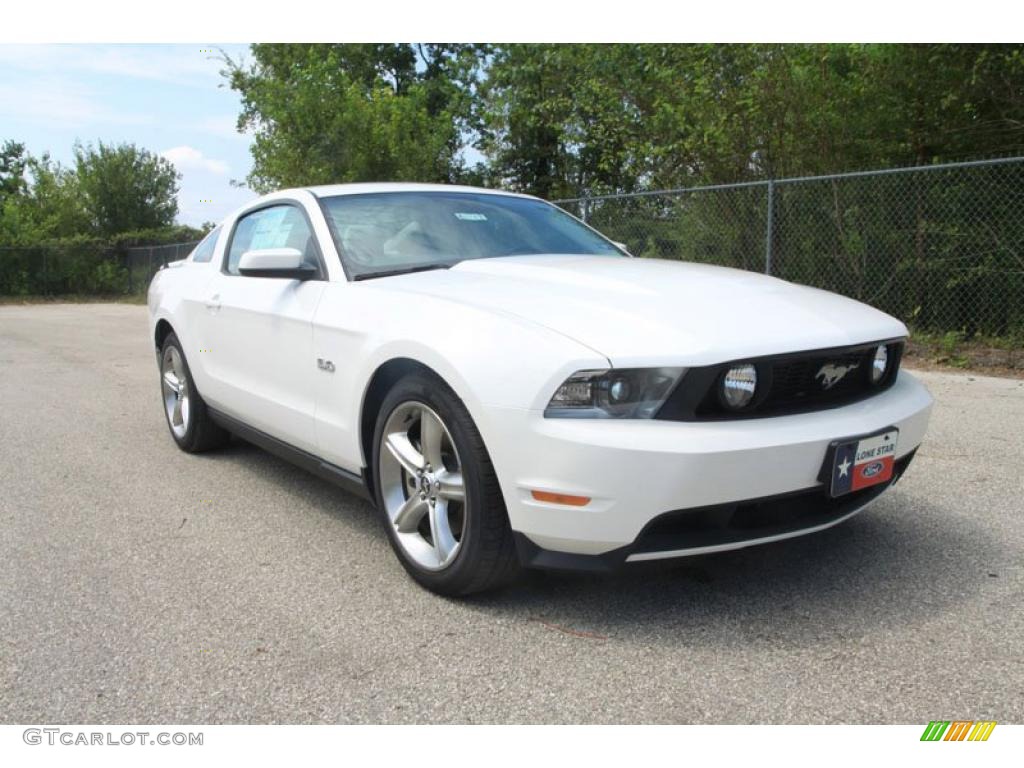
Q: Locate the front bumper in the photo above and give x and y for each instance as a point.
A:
(667, 489)
(719, 528)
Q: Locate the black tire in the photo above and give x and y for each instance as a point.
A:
(201, 433)
(486, 558)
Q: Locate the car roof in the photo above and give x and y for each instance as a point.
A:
(332, 190)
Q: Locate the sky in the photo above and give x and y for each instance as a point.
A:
(169, 99)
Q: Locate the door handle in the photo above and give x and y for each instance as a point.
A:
(213, 303)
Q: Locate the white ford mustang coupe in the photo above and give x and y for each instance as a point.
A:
(510, 388)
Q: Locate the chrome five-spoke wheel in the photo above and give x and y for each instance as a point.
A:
(175, 390)
(422, 486)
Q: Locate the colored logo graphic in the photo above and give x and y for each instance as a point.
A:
(863, 463)
(958, 730)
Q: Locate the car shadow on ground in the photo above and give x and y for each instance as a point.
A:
(347, 507)
(887, 567)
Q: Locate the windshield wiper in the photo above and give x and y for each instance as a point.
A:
(402, 271)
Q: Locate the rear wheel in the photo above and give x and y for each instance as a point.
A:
(187, 418)
(438, 492)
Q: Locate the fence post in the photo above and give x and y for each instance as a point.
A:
(768, 228)
(584, 208)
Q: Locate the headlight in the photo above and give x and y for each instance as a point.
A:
(881, 364)
(738, 386)
(628, 393)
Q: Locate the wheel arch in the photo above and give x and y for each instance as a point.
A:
(385, 376)
(160, 332)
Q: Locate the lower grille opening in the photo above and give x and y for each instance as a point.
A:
(758, 518)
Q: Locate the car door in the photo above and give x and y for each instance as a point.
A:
(258, 358)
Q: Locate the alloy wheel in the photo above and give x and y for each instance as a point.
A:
(422, 485)
(174, 384)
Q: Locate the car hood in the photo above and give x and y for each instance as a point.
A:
(652, 311)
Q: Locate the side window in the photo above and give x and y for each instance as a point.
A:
(280, 226)
(204, 251)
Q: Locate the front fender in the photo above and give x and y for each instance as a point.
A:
(488, 358)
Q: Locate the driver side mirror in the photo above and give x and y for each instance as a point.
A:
(275, 262)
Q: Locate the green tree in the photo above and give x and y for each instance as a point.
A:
(13, 162)
(125, 188)
(557, 120)
(561, 120)
(367, 112)
(47, 206)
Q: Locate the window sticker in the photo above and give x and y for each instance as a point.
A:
(272, 228)
(470, 217)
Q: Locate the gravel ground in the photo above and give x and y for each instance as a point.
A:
(139, 584)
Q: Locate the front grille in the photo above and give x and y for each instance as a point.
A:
(796, 384)
(790, 383)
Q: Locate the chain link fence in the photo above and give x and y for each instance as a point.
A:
(83, 268)
(940, 247)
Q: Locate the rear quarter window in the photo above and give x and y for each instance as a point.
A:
(204, 251)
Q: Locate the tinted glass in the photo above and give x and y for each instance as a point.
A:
(391, 230)
(204, 251)
(280, 226)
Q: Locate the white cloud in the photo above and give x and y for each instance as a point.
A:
(224, 127)
(190, 65)
(191, 159)
(55, 99)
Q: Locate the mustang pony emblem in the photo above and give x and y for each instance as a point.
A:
(830, 374)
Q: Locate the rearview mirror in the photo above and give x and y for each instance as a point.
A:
(275, 262)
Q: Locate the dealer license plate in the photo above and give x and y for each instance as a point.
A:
(863, 462)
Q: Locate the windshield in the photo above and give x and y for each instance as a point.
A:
(393, 232)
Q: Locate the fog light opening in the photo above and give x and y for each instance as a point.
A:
(738, 386)
(880, 364)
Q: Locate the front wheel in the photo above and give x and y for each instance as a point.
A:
(438, 492)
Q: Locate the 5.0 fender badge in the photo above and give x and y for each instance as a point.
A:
(325, 365)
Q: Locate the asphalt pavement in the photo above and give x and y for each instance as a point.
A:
(139, 584)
